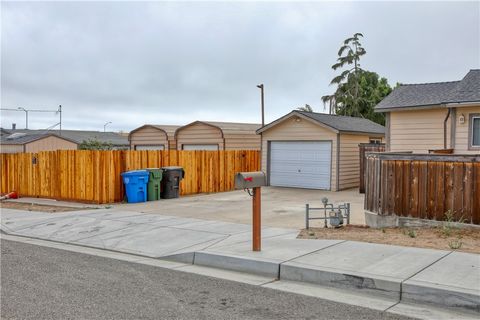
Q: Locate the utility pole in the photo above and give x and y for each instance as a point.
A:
(60, 111)
(260, 86)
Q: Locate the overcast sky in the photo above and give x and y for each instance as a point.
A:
(173, 63)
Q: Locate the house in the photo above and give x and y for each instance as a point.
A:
(434, 117)
(315, 150)
(117, 141)
(153, 137)
(22, 142)
(209, 135)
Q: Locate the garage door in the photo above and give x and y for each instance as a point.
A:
(200, 147)
(150, 147)
(301, 164)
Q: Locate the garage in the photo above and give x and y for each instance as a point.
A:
(210, 135)
(315, 150)
(301, 164)
(153, 137)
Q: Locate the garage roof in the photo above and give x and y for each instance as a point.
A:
(339, 124)
(20, 138)
(78, 136)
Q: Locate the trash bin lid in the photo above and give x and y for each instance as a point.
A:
(171, 168)
(155, 173)
(135, 173)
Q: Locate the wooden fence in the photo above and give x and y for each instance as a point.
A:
(423, 186)
(94, 176)
(365, 148)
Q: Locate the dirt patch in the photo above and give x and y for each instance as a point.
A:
(444, 238)
(36, 207)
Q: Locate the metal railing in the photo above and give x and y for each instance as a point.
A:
(336, 215)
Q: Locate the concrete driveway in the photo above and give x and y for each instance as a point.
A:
(281, 207)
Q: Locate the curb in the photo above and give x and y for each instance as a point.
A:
(388, 287)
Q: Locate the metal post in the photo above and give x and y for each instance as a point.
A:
(26, 116)
(263, 103)
(325, 214)
(257, 219)
(348, 212)
(60, 111)
(307, 218)
(105, 125)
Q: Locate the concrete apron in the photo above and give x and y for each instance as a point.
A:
(404, 274)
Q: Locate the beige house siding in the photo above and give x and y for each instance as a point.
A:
(149, 136)
(418, 130)
(461, 132)
(11, 148)
(242, 141)
(349, 161)
(50, 144)
(291, 130)
(199, 134)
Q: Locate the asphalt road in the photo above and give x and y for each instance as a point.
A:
(44, 283)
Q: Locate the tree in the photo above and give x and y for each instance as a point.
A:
(307, 108)
(372, 90)
(94, 144)
(358, 90)
(349, 54)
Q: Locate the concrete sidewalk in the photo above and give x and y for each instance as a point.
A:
(443, 278)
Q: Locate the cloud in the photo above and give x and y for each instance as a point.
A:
(163, 62)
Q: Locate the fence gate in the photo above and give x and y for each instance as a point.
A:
(364, 148)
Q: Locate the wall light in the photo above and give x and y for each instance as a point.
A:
(461, 119)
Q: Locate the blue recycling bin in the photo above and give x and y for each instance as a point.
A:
(135, 185)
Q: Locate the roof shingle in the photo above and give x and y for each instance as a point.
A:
(338, 123)
(437, 93)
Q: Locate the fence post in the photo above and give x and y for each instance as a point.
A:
(307, 218)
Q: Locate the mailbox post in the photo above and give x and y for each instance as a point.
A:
(247, 181)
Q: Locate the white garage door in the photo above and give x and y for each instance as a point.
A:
(150, 147)
(301, 164)
(200, 147)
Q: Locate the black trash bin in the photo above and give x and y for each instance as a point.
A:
(171, 178)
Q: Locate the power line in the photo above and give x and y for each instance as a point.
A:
(29, 110)
(58, 111)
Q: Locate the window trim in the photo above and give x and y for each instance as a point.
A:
(471, 118)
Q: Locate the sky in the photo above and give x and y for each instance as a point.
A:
(132, 63)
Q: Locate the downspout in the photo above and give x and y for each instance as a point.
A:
(445, 128)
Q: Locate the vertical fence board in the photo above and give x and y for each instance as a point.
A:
(476, 194)
(422, 186)
(431, 190)
(94, 176)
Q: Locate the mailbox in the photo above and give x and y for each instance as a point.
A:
(249, 180)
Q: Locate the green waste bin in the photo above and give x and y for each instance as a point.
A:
(154, 184)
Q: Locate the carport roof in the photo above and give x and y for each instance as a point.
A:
(228, 127)
(168, 129)
(339, 124)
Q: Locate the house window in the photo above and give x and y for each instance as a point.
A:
(375, 140)
(474, 132)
